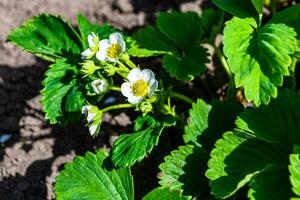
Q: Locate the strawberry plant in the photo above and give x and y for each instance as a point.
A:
(228, 150)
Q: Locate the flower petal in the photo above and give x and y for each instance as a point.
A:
(147, 74)
(93, 129)
(116, 38)
(113, 59)
(152, 88)
(104, 44)
(126, 89)
(90, 117)
(134, 75)
(135, 99)
(87, 53)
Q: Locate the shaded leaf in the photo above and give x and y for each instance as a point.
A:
(211, 24)
(259, 72)
(164, 193)
(92, 178)
(188, 66)
(289, 16)
(184, 170)
(235, 161)
(238, 8)
(272, 183)
(57, 84)
(207, 123)
(280, 120)
(47, 36)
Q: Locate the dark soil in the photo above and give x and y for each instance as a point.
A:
(33, 156)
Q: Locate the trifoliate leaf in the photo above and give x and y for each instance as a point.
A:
(272, 183)
(184, 170)
(183, 29)
(165, 194)
(57, 84)
(47, 36)
(259, 58)
(206, 123)
(86, 28)
(277, 122)
(149, 41)
(236, 160)
(133, 147)
(238, 8)
(92, 177)
(188, 66)
(294, 169)
(289, 16)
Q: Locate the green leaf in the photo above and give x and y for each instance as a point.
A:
(74, 100)
(289, 16)
(164, 193)
(259, 58)
(47, 36)
(207, 123)
(259, 5)
(56, 87)
(150, 42)
(236, 160)
(183, 29)
(294, 169)
(211, 24)
(86, 28)
(238, 8)
(272, 183)
(133, 147)
(184, 170)
(280, 120)
(177, 37)
(188, 66)
(92, 178)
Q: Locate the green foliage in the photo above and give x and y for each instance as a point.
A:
(258, 152)
(177, 36)
(259, 58)
(61, 95)
(294, 169)
(133, 147)
(164, 193)
(48, 37)
(241, 9)
(289, 16)
(207, 122)
(211, 24)
(184, 170)
(92, 177)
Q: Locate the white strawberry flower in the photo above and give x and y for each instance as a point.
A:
(141, 84)
(99, 86)
(111, 49)
(93, 41)
(93, 117)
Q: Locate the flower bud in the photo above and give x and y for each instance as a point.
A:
(146, 107)
(99, 86)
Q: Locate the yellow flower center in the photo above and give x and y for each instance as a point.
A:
(114, 50)
(140, 88)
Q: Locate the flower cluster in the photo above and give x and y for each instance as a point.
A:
(105, 50)
(139, 86)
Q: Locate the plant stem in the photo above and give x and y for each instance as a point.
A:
(118, 106)
(182, 97)
(222, 60)
(130, 64)
(115, 88)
